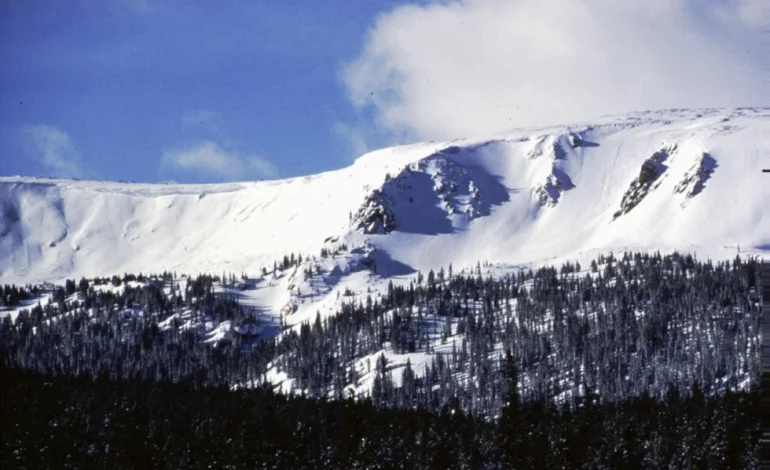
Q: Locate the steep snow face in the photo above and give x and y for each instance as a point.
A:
(686, 180)
(564, 186)
(54, 229)
(436, 194)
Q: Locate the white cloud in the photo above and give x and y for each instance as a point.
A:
(208, 158)
(473, 67)
(754, 13)
(54, 149)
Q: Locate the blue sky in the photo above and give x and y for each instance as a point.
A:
(125, 83)
(202, 91)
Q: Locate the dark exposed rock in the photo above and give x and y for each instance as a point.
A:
(375, 216)
(695, 179)
(651, 171)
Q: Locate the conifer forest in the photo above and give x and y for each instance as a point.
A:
(638, 360)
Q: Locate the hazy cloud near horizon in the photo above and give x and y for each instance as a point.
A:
(53, 148)
(210, 159)
(477, 67)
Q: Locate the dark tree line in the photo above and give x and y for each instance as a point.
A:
(85, 422)
(11, 295)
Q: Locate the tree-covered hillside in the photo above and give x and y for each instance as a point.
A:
(81, 422)
(618, 328)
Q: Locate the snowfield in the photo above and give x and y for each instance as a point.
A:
(530, 196)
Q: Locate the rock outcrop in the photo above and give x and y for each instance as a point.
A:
(652, 169)
(695, 178)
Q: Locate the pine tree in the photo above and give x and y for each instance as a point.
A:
(511, 438)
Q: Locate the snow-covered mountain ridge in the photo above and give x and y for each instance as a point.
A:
(687, 180)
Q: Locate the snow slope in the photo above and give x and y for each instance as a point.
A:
(687, 180)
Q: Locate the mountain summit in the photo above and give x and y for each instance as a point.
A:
(677, 179)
